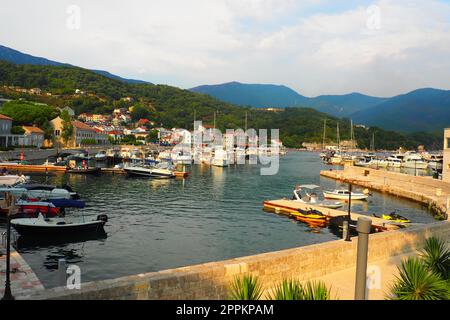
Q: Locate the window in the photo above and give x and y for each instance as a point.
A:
(57, 133)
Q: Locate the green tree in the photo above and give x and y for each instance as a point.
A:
(140, 112)
(67, 127)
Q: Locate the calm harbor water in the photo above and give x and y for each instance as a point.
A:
(214, 214)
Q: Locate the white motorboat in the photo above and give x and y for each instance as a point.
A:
(313, 199)
(58, 226)
(161, 170)
(394, 162)
(220, 158)
(436, 162)
(182, 157)
(378, 163)
(344, 195)
(12, 179)
(414, 161)
(101, 156)
(41, 191)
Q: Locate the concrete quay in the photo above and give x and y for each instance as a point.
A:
(431, 192)
(24, 282)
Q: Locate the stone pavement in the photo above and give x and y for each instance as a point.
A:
(24, 281)
(342, 283)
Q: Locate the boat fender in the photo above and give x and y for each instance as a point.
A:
(102, 217)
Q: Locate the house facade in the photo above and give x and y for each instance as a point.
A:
(82, 134)
(33, 136)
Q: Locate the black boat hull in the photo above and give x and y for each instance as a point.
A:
(26, 230)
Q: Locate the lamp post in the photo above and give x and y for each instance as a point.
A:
(9, 199)
(349, 216)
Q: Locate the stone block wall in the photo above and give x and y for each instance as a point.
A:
(212, 280)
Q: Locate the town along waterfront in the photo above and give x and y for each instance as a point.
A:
(214, 214)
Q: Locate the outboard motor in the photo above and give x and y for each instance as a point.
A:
(102, 217)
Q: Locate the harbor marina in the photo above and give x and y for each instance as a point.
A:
(155, 224)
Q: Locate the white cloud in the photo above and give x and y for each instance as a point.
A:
(193, 42)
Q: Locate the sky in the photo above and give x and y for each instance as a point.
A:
(380, 48)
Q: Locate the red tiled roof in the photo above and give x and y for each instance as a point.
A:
(3, 117)
(82, 126)
(143, 121)
(33, 129)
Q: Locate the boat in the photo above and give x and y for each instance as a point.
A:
(58, 226)
(13, 179)
(41, 191)
(182, 157)
(394, 162)
(220, 158)
(79, 170)
(310, 216)
(394, 217)
(344, 195)
(436, 162)
(101, 156)
(414, 161)
(378, 163)
(67, 203)
(313, 198)
(30, 207)
(161, 170)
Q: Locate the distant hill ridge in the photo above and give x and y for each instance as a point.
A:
(426, 109)
(17, 57)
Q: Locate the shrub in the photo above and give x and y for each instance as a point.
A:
(246, 288)
(417, 282)
(436, 256)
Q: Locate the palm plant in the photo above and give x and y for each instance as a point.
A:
(246, 288)
(417, 282)
(294, 290)
(288, 290)
(436, 256)
(316, 291)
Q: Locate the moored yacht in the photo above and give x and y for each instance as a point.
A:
(414, 161)
(161, 170)
(220, 158)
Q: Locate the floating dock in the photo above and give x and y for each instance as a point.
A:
(288, 207)
(32, 167)
(113, 170)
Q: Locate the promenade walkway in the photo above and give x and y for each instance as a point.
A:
(24, 281)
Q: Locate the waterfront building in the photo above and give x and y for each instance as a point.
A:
(446, 164)
(6, 138)
(33, 136)
(81, 133)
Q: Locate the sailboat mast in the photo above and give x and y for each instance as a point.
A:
(352, 137)
(324, 133)
(214, 119)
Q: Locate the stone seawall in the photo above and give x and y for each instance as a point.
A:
(212, 280)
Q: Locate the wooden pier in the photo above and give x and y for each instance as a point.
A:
(288, 207)
(32, 167)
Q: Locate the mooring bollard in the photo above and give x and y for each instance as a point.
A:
(344, 230)
(363, 228)
(62, 272)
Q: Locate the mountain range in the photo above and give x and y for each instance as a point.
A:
(17, 57)
(425, 109)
